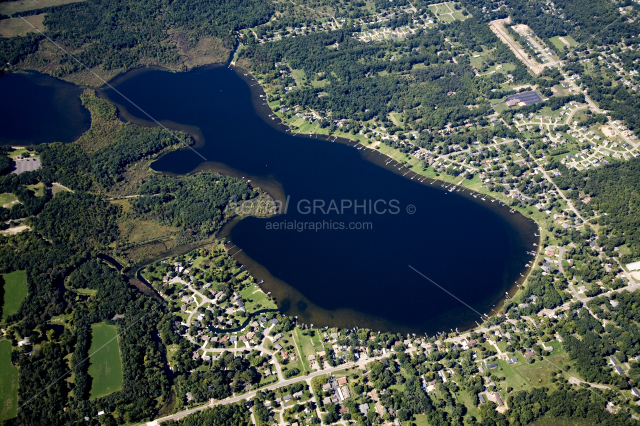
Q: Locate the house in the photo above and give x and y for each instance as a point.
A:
(297, 395)
(274, 321)
(344, 392)
(326, 401)
(287, 398)
(481, 398)
(619, 370)
(250, 335)
(277, 337)
(492, 366)
(284, 354)
(342, 381)
(364, 408)
(635, 391)
(499, 402)
(233, 339)
(277, 347)
(529, 354)
(512, 360)
(344, 410)
(326, 387)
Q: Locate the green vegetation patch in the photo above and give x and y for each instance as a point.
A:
(15, 291)
(8, 200)
(560, 42)
(8, 383)
(106, 364)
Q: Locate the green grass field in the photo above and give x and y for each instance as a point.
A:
(300, 77)
(539, 373)
(8, 383)
(15, 290)
(559, 44)
(38, 189)
(256, 299)
(105, 364)
(7, 200)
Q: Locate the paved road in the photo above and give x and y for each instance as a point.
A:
(251, 394)
(544, 173)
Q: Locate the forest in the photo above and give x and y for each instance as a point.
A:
(594, 21)
(364, 83)
(196, 202)
(219, 415)
(116, 34)
(98, 160)
(613, 189)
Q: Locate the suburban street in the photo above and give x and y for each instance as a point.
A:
(251, 394)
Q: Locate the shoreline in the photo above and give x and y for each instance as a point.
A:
(274, 188)
(271, 187)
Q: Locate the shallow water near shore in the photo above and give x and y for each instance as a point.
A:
(423, 259)
(473, 249)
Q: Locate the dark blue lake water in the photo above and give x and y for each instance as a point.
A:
(36, 108)
(471, 251)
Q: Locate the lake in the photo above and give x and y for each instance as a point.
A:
(36, 108)
(391, 253)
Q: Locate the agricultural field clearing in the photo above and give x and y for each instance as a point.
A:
(14, 27)
(11, 7)
(15, 291)
(8, 383)
(105, 361)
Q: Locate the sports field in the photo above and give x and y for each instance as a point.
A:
(105, 366)
(15, 290)
(8, 383)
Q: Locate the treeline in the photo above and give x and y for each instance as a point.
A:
(227, 375)
(196, 202)
(143, 358)
(570, 404)
(613, 190)
(356, 90)
(119, 34)
(81, 221)
(220, 415)
(6, 163)
(593, 21)
(30, 204)
(473, 33)
(102, 154)
(622, 103)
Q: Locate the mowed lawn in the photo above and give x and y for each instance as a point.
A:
(15, 290)
(8, 383)
(105, 366)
